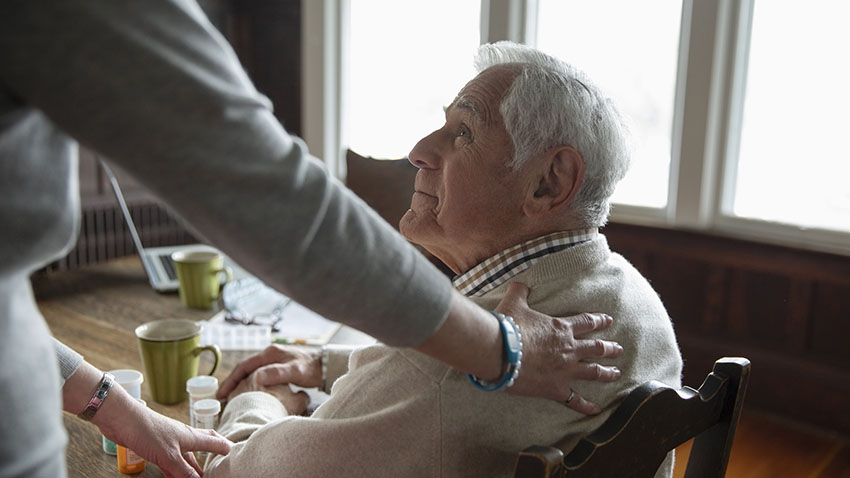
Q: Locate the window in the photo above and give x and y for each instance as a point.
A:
(630, 50)
(739, 130)
(407, 61)
(793, 165)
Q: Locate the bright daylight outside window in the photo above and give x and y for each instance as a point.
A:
(630, 50)
(407, 61)
(793, 163)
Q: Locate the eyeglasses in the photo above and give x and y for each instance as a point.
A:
(250, 302)
(271, 319)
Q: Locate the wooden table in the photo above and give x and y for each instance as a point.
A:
(95, 310)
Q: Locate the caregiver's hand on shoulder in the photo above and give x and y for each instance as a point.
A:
(554, 355)
(275, 365)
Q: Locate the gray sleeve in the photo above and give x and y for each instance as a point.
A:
(69, 361)
(155, 88)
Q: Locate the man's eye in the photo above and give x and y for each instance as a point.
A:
(464, 132)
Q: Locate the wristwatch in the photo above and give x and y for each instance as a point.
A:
(98, 397)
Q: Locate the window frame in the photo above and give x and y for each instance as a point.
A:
(708, 108)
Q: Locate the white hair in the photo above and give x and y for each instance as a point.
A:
(551, 103)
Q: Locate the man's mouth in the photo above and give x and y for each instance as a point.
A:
(422, 201)
(424, 193)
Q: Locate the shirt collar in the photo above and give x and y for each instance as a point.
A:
(498, 269)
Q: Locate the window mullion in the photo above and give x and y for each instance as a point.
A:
(734, 101)
(513, 20)
(324, 26)
(702, 70)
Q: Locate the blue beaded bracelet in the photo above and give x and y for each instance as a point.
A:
(512, 343)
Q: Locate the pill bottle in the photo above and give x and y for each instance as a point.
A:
(206, 412)
(129, 462)
(131, 381)
(200, 388)
(206, 416)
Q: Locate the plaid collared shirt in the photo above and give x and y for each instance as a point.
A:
(498, 269)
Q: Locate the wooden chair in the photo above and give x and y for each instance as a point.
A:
(386, 185)
(651, 421)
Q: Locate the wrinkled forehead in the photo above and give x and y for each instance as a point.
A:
(483, 95)
(470, 106)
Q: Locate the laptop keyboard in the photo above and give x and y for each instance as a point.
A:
(168, 265)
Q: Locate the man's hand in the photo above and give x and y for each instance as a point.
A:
(553, 354)
(276, 365)
(295, 403)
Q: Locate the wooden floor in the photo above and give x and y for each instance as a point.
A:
(767, 446)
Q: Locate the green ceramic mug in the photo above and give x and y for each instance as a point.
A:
(199, 274)
(171, 351)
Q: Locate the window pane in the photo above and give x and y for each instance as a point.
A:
(408, 59)
(630, 50)
(794, 165)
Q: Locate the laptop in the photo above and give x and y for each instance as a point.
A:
(157, 260)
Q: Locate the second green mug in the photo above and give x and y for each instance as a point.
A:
(199, 277)
(171, 351)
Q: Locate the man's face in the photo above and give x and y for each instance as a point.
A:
(466, 199)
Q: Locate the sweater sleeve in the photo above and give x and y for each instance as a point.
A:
(248, 412)
(243, 416)
(155, 88)
(69, 360)
(373, 438)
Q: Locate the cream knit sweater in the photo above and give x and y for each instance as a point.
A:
(400, 413)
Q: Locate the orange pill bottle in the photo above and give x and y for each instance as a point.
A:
(129, 462)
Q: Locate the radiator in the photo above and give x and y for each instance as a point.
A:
(103, 234)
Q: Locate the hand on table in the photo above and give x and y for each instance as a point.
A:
(276, 365)
(554, 355)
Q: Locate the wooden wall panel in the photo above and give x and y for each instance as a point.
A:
(267, 38)
(785, 309)
(681, 283)
(716, 299)
(830, 326)
(797, 328)
(759, 309)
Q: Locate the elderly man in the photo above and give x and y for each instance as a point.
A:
(511, 189)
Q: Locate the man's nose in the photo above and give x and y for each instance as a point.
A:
(425, 154)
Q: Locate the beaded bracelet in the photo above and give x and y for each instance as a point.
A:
(512, 343)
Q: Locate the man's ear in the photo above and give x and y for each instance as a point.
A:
(557, 182)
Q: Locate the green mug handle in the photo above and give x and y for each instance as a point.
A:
(228, 277)
(210, 348)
